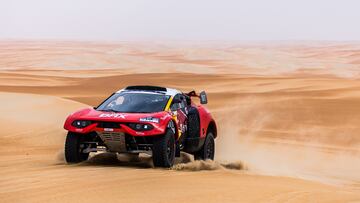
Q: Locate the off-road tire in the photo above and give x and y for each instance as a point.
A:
(164, 150)
(207, 151)
(192, 141)
(194, 123)
(73, 152)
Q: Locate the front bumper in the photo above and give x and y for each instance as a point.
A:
(109, 127)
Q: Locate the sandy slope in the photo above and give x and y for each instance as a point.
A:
(31, 171)
(283, 110)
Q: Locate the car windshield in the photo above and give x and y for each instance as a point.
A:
(135, 102)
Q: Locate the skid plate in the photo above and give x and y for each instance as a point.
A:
(115, 141)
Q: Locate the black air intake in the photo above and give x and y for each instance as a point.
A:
(108, 125)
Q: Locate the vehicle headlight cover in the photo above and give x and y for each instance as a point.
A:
(81, 124)
(149, 119)
(140, 126)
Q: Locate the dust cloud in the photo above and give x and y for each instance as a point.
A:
(308, 159)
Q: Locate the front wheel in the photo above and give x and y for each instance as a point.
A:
(207, 151)
(164, 150)
(74, 148)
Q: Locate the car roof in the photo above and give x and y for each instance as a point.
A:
(151, 89)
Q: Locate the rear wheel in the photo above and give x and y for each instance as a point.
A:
(74, 148)
(193, 142)
(164, 150)
(207, 151)
(194, 123)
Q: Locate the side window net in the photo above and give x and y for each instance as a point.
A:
(174, 107)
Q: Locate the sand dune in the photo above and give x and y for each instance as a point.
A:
(31, 172)
(287, 112)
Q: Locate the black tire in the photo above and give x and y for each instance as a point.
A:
(194, 123)
(164, 150)
(192, 141)
(207, 151)
(73, 149)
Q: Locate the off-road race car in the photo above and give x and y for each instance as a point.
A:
(143, 119)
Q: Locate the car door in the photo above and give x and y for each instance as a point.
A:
(179, 110)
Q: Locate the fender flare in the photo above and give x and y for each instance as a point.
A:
(212, 127)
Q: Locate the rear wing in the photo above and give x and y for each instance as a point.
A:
(202, 96)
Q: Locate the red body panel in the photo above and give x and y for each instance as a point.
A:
(90, 114)
(123, 118)
(205, 119)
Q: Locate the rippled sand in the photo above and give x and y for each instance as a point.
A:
(288, 117)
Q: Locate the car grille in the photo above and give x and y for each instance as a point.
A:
(108, 125)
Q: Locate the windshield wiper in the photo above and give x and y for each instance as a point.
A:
(111, 110)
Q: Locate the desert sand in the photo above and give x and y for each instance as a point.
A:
(288, 115)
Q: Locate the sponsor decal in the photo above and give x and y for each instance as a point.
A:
(183, 128)
(112, 115)
(149, 119)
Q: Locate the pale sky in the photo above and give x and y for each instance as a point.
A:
(180, 20)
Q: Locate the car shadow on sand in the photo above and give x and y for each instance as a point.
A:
(183, 163)
(123, 160)
(128, 160)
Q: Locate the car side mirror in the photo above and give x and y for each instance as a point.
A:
(203, 97)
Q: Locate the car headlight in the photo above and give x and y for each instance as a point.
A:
(81, 124)
(149, 119)
(140, 126)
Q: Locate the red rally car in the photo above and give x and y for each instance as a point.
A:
(143, 119)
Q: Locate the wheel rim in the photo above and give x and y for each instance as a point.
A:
(210, 150)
